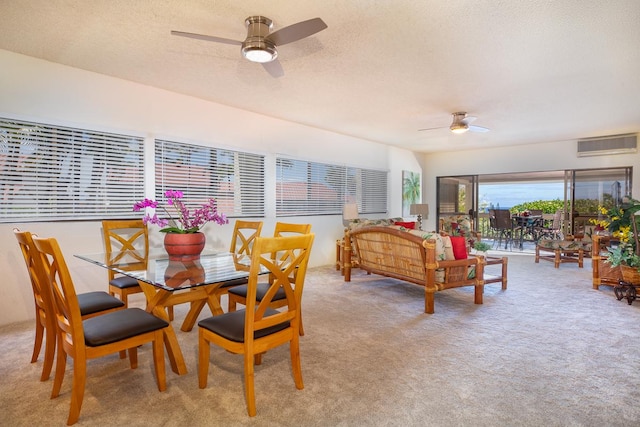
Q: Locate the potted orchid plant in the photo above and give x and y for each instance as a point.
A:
(184, 221)
(183, 239)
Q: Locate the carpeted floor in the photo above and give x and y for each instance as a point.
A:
(549, 351)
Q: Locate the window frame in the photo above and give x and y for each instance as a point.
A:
(310, 193)
(51, 172)
(204, 176)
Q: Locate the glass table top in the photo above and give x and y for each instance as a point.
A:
(157, 269)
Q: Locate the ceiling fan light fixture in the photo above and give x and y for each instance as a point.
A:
(459, 128)
(259, 50)
(459, 124)
(258, 47)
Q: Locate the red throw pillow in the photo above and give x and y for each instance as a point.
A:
(409, 225)
(459, 247)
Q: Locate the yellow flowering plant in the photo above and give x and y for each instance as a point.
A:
(623, 222)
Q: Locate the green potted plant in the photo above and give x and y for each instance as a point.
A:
(481, 247)
(623, 223)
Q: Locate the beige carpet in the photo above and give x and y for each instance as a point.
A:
(549, 351)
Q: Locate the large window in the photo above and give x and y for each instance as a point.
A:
(60, 173)
(310, 188)
(235, 179)
(578, 193)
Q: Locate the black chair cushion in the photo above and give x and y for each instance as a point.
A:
(235, 282)
(231, 325)
(119, 325)
(93, 302)
(123, 282)
(261, 291)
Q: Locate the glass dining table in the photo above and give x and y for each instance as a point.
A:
(167, 282)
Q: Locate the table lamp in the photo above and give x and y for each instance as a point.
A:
(419, 209)
(349, 212)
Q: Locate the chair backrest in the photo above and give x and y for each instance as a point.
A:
(492, 218)
(244, 235)
(284, 229)
(257, 316)
(503, 219)
(41, 293)
(122, 238)
(557, 220)
(54, 274)
(288, 229)
(535, 212)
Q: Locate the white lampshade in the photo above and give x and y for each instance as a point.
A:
(349, 212)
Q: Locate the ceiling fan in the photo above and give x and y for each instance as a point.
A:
(261, 45)
(461, 124)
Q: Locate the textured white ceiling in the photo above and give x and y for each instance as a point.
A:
(530, 70)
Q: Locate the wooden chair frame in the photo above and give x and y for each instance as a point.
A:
(259, 327)
(54, 274)
(244, 234)
(281, 229)
(99, 303)
(45, 320)
(119, 244)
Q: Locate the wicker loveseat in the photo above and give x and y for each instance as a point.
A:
(355, 224)
(417, 257)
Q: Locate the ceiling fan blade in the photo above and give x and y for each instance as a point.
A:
(468, 120)
(297, 31)
(440, 127)
(478, 129)
(205, 37)
(274, 68)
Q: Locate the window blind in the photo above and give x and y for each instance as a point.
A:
(311, 188)
(235, 179)
(59, 173)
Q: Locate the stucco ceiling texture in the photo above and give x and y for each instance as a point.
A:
(530, 70)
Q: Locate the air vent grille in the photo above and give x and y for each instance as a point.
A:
(607, 145)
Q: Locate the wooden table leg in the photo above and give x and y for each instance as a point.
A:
(156, 299)
(197, 305)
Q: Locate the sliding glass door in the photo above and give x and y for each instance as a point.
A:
(578, 193)
(591, 188)
(457, 195)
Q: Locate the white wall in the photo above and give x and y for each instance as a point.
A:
(535, 157)
(36, 90)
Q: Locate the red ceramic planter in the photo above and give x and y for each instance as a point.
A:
(184, 246)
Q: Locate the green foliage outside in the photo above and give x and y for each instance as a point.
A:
(547, 206)
(583, 206)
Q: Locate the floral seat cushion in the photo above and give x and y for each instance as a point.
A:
(569, 245)
(444, 251)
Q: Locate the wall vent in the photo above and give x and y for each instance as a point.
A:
(607, 145)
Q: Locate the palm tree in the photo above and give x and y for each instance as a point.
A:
(410, 191)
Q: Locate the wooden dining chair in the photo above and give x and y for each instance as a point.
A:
(91, 304)
(238, 294)
(95, 337)
(258, 328)
(244, 235)
(124, 237)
